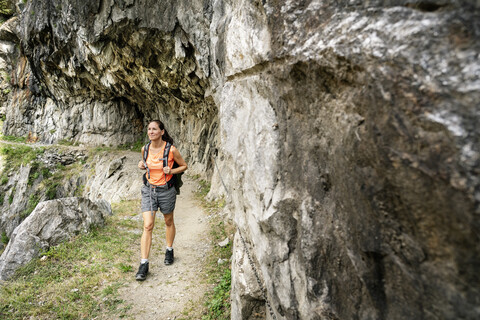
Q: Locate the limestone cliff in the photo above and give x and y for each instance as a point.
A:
(343, 134)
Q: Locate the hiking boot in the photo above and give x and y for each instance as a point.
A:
(168, 257)
(142, 272)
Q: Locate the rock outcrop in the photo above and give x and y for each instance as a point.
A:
(114, 178)
(51, 223)
(34, 174)
(343, 134)
(59, 172)
(356, 178)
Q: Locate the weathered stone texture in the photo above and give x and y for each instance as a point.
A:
(107, 176)
(98, 71)
(114, 178)
(357, 176)
(51, 223)
(343, 133)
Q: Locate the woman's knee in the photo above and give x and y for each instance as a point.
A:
(168, 219)
(148, 226)
(148, 221)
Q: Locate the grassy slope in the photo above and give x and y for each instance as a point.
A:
(78, 279)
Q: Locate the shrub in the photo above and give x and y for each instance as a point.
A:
(33, 200)
(5, 8)
(4, 239)
(51, 190)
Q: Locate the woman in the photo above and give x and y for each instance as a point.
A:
(158, 193)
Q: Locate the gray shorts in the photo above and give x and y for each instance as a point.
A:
(160, 198)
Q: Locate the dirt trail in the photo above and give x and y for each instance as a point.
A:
(168, 290)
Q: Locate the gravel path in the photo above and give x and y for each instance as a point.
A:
(169, 290)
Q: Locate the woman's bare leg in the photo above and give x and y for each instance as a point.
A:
(170, 228)
(146, 242)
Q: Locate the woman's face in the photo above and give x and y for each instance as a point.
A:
(154, 131)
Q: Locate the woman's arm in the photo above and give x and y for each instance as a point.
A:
(182, 165)
(141, 165)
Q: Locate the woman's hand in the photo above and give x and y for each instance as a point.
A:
(141, 165)
(167, 170)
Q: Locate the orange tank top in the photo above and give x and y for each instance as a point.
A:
(155, 164)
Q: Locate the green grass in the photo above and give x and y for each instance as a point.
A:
(65, 142)
(4, 238)
(218, 300)
(5, 74)
(34, 172)
(137, 146)
(14, 139)
(219, 303)
(124, 267)
(17, 155)
(51, 189)
(5, 8)
(79, 191)
(78, 279)
(33, 200)
(204, 189)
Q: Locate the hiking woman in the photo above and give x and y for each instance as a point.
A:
(158, 191)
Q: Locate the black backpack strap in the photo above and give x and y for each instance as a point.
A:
(166, 151)
(145, 156)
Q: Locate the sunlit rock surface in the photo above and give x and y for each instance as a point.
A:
(51, 223)
(56, 173)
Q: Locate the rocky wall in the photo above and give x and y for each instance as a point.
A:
(97, 72)
(355, 158)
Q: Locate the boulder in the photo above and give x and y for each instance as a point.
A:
(51, 223)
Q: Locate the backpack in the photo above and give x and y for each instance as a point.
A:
(176, 180)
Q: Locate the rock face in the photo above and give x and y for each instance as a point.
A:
(343, 134)
(23, 187)
(115, 178)
(356, 180)
(51, 223)
(58, 172)
(96, 72)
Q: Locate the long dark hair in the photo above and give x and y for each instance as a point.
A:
(166, 137)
